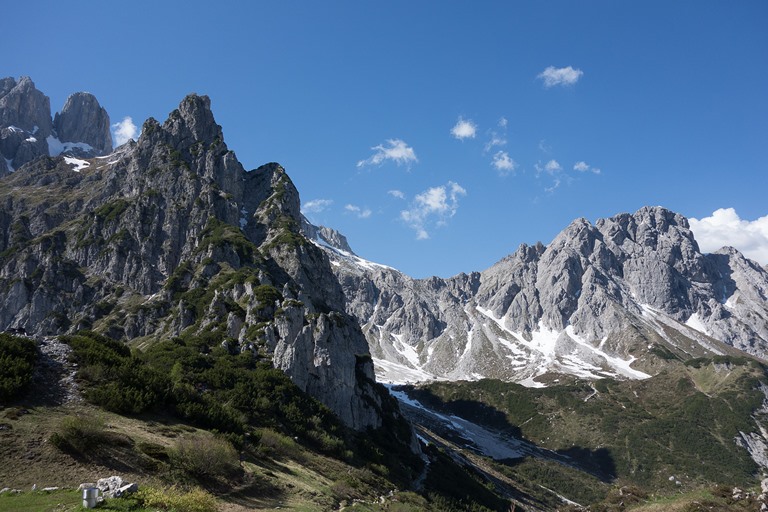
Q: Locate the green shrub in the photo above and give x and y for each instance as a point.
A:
(205, 457)
(177, 500)
(17, 361)
(82, 434)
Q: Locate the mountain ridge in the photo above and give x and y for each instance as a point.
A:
(590, 304)
(170, 235)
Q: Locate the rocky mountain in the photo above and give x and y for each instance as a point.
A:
(27, 130)
(83, 120)
(620, 298)
(168, 236)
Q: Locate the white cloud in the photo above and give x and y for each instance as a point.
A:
(584, 167)
(495, 140)
(124, 131)
(396, 150)
(555, 184)
(359, 212)
(552, 167)
(396, 193)
(503, 163)
(553, 76)
(464, 129)
(725, 228)
(433, 207)
(316, 206)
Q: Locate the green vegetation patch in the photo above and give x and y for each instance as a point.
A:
(17, 361)
(112, 210)
(636, 431)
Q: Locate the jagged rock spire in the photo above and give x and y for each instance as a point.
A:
(83, 120)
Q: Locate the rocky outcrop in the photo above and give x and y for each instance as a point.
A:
(25, 123)
(615, 299)
(83, 120)
(171, 235)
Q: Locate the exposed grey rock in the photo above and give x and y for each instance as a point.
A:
(325, 235)
(597, 299)
(126, 490)
(25, 123)
(110, 487)
(175, 212)
(83, 120)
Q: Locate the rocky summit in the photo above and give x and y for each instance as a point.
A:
(27, 130)
(620, 298)
(170, 235)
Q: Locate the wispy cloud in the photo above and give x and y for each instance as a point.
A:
(433, 208)
(503, 163)
(584, 167)
(554, 171)
(124, 131)
(497, 138)
(553, 76)
(464, 129)
(553, 187)
(396, 193)
(316, 206)
(552, 167)
(361, 213)
(725, 228)
(395, 150)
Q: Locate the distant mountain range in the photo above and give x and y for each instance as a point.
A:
(620, 298)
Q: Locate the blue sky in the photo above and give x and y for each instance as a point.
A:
(439, 136)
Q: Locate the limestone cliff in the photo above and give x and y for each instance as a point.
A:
(620, 298)
(171, 235)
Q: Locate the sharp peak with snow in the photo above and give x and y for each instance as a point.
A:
(27, 131)
(174, 222)
(609, 299)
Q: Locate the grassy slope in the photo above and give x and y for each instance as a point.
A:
(681, 423)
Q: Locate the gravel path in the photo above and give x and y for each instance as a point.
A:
(54, 379)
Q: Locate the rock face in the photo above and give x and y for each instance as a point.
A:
(614, 299)
(83, 120)
(25, 123)
(27, 131)
(171, 235)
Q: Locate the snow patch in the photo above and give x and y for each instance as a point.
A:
(9, 165)
(622, 366)
(659, 319)
(78, 164)
(388, 372)
(695, 322)
(56, 147)
(15, 129)
(405, 350)
(349, 257)
(492, 444)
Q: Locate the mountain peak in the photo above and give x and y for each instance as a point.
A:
(84, 120)
(193, 121)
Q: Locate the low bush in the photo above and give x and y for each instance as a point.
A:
(81, 434)
(177, 500)
(17, 361)
(205, 457)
